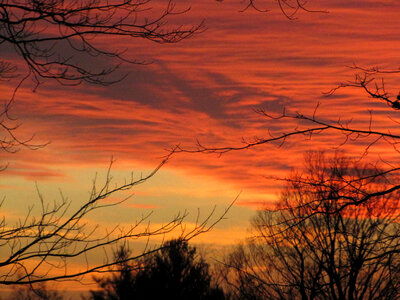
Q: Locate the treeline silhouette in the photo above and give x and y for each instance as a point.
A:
(310, 246)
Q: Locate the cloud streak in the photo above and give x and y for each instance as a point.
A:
(206, 88)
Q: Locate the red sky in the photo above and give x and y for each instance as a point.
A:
(206, 88)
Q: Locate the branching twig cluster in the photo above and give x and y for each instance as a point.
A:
(52, 35)
(38, 246)
(351, 253)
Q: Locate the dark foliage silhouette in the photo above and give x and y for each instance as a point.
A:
(173, 272)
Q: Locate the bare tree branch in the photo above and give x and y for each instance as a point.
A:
(38, 246)
(50, 35)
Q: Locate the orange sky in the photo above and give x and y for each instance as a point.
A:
(205, 88)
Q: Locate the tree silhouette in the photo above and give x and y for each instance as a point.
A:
(347, 253)
(173, 272)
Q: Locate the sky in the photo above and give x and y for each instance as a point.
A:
(206, 88)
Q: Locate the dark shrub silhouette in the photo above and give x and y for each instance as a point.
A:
(174, 272)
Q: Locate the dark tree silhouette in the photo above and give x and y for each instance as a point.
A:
(173, 272)
(347, 253)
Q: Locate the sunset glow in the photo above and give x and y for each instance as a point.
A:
(204, 89)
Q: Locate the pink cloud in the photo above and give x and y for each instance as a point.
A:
(206, 88)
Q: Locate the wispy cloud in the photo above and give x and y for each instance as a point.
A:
(207, 88)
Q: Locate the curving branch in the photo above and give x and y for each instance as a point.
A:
(289, 8)
(315, 126)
